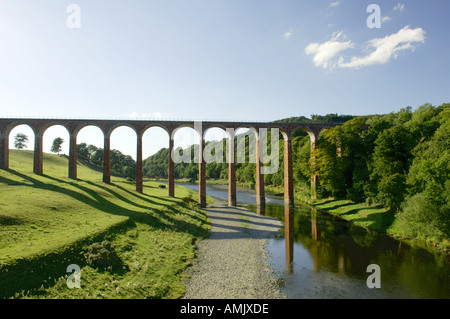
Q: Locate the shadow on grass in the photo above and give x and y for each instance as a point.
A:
(26, 274)
(32, 273)
(381, 220)
(336, 206)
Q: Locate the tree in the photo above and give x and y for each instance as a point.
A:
(20, 141)
(426, 211)
(83, 152)
(56, 146)
(340, 159)
(391, 160)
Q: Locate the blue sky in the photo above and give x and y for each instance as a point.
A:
(221, 60)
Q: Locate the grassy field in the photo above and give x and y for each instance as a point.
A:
(128, 245)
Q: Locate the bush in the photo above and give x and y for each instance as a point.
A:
(101, 255)
(420, 217)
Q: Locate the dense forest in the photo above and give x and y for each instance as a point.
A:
(400, 159)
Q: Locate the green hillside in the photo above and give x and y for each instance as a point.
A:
(49, 222)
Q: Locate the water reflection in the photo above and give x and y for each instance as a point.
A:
(289, 235)
(321, 256)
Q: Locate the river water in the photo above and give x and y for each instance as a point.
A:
(327, 257)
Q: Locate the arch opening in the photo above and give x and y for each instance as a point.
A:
(89, 152)
(55, 140)
(19, 157)
(156, 153)
(123, 152)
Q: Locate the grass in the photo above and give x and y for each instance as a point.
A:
(48, 222)
(374, 216)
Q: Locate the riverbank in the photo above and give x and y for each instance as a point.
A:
(373, 217)
(330, 256)
(231, 263)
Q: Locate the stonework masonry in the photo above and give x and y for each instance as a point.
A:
(74, 126)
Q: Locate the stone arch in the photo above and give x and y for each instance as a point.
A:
(123, 127)
(159, 125)
(6, 137)
(196, 139)
(77, 128)
(47, 141)
(128, 133)
(49, 127)
(207, 156)
(74, 138)
(197, 158)
(113, 127)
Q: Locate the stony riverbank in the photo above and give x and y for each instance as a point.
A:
(231, 263)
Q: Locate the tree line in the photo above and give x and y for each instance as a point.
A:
(121, 164)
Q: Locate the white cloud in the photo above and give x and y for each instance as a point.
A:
(133, 115)
(385, 19)
(324, 52)
(288, 34)
(383, 49)
(400, 7)
(335, 4)
(380, 50)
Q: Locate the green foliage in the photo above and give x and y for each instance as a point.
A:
(421, 217)
(338, 152)
(20, 141)
(56, 146)
(401, 160)
(121, 164)
(156, 166)
(329, 118)
(391, 190)
(426, 212)
(391, 160)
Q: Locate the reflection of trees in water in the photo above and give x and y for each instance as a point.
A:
(338, 246)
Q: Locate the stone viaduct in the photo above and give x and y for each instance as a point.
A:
(39, 126)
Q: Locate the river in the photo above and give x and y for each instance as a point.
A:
(327, 257)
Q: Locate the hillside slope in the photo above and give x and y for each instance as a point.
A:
(49, 222)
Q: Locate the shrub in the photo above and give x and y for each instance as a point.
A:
(420, 217)
(101, 255)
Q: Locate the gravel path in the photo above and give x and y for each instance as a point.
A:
(231, 263)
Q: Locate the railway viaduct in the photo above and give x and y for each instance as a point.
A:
(140, 126)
